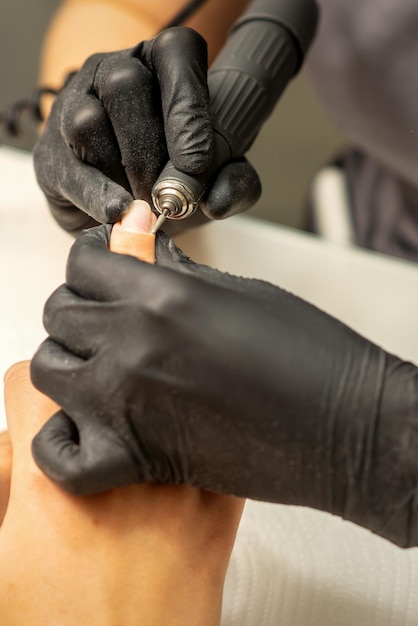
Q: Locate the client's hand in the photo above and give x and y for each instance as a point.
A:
(5, 472)
(139, 555)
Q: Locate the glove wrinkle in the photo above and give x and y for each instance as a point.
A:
(228, 384)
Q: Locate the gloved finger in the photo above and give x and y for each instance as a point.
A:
(178, 57)
(83, 463)
(96, 273)
(54, 367)
(128, 93)
(78, 184)
(87, 130)
(70, 218)
(74, 322)
(235, 189)
(169, 255)
(65, 182)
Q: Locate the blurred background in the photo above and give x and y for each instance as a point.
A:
(293, 145)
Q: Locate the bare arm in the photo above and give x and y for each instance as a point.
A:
(83, 27)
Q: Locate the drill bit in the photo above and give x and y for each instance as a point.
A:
(160, 221)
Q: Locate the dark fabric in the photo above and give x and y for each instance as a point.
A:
(363, 67)
(384, 208)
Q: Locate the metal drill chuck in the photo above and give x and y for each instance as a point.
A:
(262, 53)
(174, 199)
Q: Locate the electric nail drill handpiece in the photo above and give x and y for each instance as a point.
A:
(264, 51)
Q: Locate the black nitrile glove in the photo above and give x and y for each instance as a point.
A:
(114, 126)
(182, 374)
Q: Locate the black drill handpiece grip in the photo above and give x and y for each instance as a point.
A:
(264, 50)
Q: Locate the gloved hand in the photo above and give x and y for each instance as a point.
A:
(182, 374)
(114, 126)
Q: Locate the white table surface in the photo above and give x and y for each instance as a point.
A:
(290, 566)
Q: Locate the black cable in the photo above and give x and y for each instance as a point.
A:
(10, 120)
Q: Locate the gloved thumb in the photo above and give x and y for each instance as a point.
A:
(85, 463)
(169, 255)
(235, 189)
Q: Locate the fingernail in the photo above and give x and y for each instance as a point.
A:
(139, 217)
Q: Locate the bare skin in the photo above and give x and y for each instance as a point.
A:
(5, 472)
(123, 24)
(144, 554)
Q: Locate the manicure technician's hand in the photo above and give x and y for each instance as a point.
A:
(179, 373)
(114, 126)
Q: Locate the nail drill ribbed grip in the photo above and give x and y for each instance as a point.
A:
(264, 50)
(247, 79)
